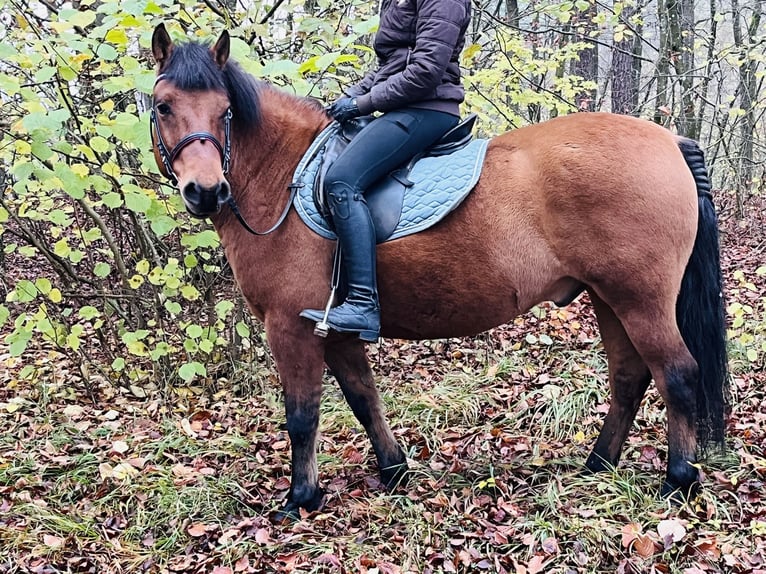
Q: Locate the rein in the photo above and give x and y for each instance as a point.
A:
(168, 157)
(233, 206)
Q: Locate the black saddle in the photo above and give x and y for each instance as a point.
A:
(385, 198)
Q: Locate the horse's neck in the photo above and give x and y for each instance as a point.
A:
(264, 159)
(267, 156)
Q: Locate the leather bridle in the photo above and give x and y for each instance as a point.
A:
(168, 157)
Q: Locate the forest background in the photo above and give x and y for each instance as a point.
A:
(140, 412)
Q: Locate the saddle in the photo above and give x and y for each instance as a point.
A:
(409, 199)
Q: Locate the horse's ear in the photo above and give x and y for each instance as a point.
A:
(221, 49)
(162, 45)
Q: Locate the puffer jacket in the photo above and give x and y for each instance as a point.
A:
(418, 45)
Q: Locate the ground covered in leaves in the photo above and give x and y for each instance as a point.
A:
(96, 479)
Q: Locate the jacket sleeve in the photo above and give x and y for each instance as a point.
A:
(439, 29)
(361, 87)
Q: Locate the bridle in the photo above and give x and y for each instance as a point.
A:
(168, 157)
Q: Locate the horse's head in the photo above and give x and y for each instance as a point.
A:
(191, 120)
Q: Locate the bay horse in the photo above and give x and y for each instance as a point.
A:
(612, 205)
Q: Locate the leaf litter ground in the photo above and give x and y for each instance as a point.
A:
(497, 428)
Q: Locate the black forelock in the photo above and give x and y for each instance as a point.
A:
(191, 67)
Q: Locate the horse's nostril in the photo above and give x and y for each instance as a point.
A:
(224, 192)
(191, 191)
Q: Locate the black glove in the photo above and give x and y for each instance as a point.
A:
(344, 109)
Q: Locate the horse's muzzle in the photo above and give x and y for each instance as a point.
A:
(203, 201)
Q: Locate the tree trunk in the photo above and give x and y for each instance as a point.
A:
(747, 90)
(626, 67)
(586, 66)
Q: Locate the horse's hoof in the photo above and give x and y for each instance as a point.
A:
(291, 512)
(678, 495)
(394, 476)
(596, 464)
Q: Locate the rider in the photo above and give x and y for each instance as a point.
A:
(417, 87)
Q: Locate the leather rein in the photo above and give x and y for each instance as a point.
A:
(168, 157)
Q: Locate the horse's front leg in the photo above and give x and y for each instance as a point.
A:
(298, 355)
(348, 362)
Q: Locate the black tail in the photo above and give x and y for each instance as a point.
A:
(700, 308)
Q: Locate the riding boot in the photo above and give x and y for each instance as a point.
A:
(356, 235)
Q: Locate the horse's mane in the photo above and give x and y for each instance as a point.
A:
(191, 67)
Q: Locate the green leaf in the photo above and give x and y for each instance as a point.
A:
(88, 312)
(102, 269)
(43, 285)
(137, 202)
(194, 331)
(173, 307)
(190, 293)
(223, 308)
(188, 371)
(99, 144)
(78, 18)
(112, 200)
(25, 291)
(163, 224)
(242, 329)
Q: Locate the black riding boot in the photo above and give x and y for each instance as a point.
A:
(356, 235)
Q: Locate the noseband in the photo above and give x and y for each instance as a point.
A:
(168, 157)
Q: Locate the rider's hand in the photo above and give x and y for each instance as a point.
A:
(344, 109)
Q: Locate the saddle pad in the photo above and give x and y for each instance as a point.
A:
(440, 184)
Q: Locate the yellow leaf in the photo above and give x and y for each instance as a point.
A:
(80, 169)
(55, 295)
(117, 36)
(111, 169)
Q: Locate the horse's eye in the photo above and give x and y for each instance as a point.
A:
(164, 109)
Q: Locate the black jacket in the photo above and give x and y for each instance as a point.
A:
(418, 45)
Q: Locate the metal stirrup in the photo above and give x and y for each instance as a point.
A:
(322, 328)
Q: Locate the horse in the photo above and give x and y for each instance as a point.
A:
(615, 206)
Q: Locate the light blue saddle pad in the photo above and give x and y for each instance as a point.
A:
(440, 184)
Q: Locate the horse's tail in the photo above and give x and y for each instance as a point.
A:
(700, 308)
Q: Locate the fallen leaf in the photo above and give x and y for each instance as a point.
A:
(630, 532)
(671, 531)
(644, 546)
(197, 529)
(53, 541)
(535, 565)
(262, 536)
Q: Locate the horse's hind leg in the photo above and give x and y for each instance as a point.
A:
(348, 363)
(649, 319)
(628, 379)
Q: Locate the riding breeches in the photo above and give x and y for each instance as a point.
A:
(387, 143)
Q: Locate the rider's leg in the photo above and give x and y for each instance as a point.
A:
(382, 146)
